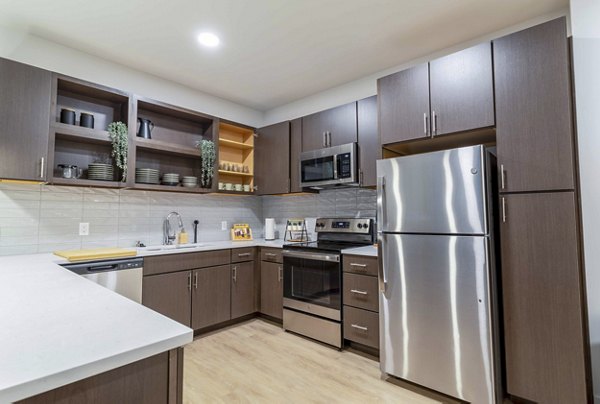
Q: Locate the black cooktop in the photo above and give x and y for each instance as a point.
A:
(323, 245)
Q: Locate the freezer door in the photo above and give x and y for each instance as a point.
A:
(433, 193)
(435, 314)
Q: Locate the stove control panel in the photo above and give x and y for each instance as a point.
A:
(341, 225)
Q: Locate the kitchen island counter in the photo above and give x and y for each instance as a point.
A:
(57, 328)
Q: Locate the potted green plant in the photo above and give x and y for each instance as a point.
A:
(208, 156)
(120, 146)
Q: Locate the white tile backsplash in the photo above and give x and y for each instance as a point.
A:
(45, 218)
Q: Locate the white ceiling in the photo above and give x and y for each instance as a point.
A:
(273, 51)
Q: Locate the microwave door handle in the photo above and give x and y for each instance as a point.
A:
(336, 166)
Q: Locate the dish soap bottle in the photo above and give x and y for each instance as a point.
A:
(184, 238)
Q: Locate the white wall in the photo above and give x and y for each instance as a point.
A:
(585, 26)
(23, 47)
(367, 86)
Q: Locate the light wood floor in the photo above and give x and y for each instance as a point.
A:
(257, 362)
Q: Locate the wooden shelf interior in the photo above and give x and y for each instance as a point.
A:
(175, 126)
(81, 154)
(166, 147)
(167, 163)
(106, 106)
(77, 133)
(236, 145)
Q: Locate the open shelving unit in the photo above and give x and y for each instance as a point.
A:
(173, 144)
(236, 147)
(80, 146)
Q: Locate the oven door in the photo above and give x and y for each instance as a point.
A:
(312, 283)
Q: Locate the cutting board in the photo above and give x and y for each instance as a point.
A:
(95, 254)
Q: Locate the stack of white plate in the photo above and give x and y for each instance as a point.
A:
(146, 176)
(170, 179)
(99, 171)
(190, 182)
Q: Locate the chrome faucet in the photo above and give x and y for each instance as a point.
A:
(169, 235)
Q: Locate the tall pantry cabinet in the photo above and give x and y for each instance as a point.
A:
(545, 343)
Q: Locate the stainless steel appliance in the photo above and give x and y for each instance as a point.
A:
(438, 321)
(312, 278)
(123, 276)
(328, 168)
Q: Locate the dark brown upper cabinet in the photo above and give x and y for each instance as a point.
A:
(24, 121)
(369, 148)
(272, 159)
(462, 91)
(454, 93)
(534, 125)
(332, 127)
(404, 105)
(295, 150)
(541, 287)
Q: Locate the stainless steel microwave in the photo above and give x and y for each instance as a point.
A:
(328, 168)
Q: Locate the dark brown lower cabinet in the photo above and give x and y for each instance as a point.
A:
(153, 380)
(169, 294)
(242, 289)
(211, 296)
(542, 298)
(271, 289)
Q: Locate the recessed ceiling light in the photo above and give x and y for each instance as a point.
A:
(208, 39)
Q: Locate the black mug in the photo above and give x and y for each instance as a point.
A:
(67, 116)
(86, 120)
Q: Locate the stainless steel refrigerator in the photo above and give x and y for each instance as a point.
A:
(438, 320)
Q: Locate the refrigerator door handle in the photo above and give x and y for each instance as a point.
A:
(381, 222)
(380, 263)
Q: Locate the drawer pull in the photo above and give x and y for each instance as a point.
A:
(271, 255)
(243, 254)
(359, 292)
(359, 327)
(354, 264)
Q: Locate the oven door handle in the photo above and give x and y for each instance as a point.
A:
(312, 256)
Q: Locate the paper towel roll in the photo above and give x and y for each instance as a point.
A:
(269, 229)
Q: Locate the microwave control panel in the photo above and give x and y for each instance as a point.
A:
(344, 165)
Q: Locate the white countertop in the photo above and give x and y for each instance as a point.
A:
(369, 251)
(57, 327)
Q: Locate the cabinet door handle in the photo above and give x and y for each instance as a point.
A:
(42, 164)
(359, 292)
(189, 285)
(280, 277)
(235, 274)
(359, 327)
(328, 139)
(243, 254)
(354, 264)
(324, 139)
(502, 180)
(360, 178)
(195, 280)
(503, 210)
(434, 123)
(425, 131)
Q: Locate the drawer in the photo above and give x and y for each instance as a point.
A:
(360, 264)
(243, 254)
(361, 291)
(271, 255)
(361, 326)
(162, 264)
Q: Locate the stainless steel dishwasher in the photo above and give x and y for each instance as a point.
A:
(123, 276)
